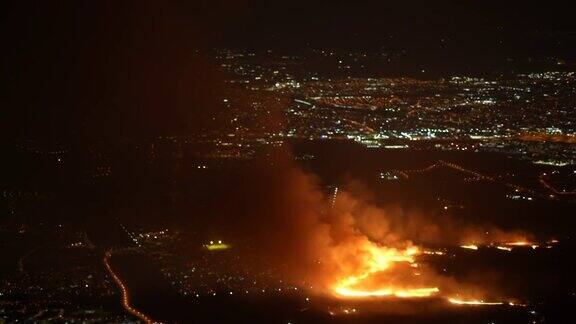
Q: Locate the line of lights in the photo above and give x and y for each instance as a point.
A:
(124, 291)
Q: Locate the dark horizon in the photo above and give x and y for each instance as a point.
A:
(76, 67)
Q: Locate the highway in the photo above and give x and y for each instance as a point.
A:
(476, 175)
(124, 291)
(547, 185)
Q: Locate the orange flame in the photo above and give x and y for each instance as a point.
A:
(380, 259)
(473, 302)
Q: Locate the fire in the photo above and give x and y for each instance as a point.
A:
(380, 260)
(523, 243)
(473, 302)
(433, 252)
(480, 302)
(401, 293)
(507, 246)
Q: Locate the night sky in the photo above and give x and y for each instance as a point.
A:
(96, 69)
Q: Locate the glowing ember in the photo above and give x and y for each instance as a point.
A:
(518, 243)
(522, 243)
(433, 252)
(401, 293)
(473, 302)
(380, 260)
(504, 246)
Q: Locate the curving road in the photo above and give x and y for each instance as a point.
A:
(124, 291)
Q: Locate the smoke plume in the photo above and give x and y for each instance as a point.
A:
(315, 239)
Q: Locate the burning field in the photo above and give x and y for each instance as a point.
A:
(341, 245)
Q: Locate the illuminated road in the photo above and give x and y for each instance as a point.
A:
(547, 185)
(475, 174)
(124, 291)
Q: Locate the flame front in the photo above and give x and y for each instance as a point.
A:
(474, 302)
(378, 261)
